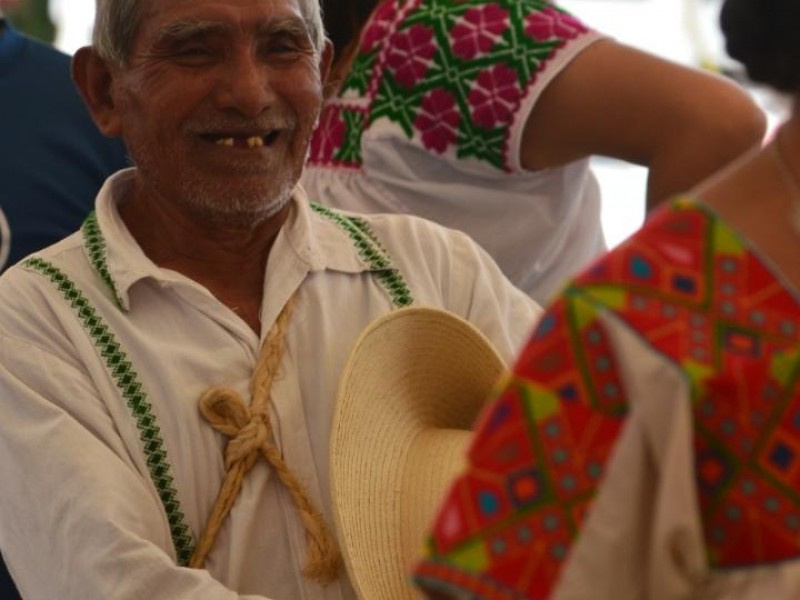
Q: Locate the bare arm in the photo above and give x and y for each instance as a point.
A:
(613, 100)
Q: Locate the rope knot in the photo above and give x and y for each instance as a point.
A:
(225, 411)
(251, 436)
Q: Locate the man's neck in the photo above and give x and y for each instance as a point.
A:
(229, 261)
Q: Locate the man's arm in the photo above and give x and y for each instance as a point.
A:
(476, 289)
(77, 519)
(613, 100)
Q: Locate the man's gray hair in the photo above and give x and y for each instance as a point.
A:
(116, 22)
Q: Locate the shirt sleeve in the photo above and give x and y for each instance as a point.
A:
(449, 270)
(92, 527)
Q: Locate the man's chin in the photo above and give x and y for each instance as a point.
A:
(238, 213)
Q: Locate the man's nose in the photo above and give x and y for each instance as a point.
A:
(246, 86)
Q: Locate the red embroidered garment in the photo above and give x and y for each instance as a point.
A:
(682, 318)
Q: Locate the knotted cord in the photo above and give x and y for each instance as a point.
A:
(251, 436)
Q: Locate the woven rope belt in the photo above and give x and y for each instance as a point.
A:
(251, 436)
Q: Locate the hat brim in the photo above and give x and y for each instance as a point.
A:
(412, 388)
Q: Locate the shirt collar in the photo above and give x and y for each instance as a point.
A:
(322, 239)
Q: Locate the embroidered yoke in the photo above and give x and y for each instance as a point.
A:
(430, 122)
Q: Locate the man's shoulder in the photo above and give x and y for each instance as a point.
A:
(27, 274)
(406, 238)
(392, 225)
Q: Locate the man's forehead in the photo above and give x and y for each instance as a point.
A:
(188, 28)
(165, 15)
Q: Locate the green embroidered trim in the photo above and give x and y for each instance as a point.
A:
(361, 73)
(96, 247)
(364, 228)
(370, 249)
(355, 122)
(127, 380)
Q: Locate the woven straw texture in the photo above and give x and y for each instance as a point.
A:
(414, 384)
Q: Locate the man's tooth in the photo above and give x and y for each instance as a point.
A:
(250, 142)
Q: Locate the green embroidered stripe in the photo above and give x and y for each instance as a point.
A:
(370, 249)
(364, 228)
(350, 152)
(127, 380)
(96, 247)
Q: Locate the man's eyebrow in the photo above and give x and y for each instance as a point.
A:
(184, 30)
(294, 26)
(187, 29)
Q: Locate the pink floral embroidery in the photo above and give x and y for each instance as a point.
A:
(549, 24)
(329, 135)
(438, 120)
(495, 97)
(478, 31)
(379, 25)
(410, 55)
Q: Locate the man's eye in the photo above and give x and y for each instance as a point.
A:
(280, 48)
(192, 51)
(282, 45)
(192, 55)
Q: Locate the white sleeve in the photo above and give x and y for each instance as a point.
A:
(484, 296)
(77, 520)
(447, 269)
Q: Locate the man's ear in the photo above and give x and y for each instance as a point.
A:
(94, 81)
(325, 62)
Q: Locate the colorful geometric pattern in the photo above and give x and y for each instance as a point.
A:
(698, 296)
(450, 74)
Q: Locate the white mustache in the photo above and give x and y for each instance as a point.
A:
(243, 126)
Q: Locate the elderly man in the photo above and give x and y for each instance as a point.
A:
(203, 266)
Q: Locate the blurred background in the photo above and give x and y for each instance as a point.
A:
(685, 31)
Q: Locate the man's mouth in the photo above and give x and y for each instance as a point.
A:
(247, 142)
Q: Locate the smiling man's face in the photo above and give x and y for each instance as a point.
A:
(217, 103)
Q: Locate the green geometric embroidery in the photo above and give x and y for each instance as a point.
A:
(458, 76)
(360, 73)
(96, 247)
(488, 146)
(350, 152)
(370, 249)
(397, 104)
(132, 391)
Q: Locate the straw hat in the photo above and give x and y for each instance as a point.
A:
(412, 388)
